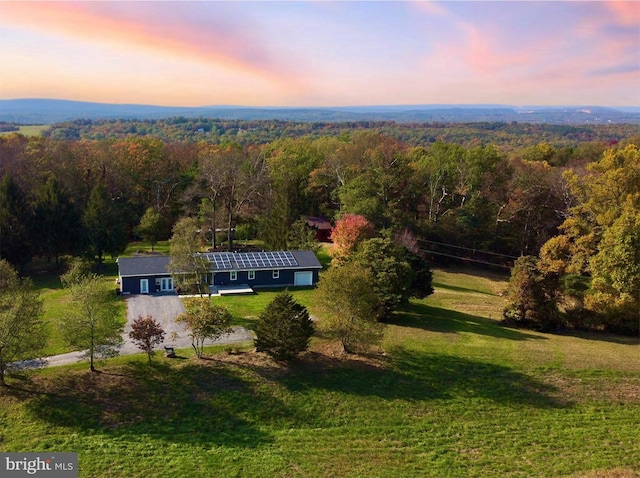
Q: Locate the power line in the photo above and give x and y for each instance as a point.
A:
(468, 259)
(468, 249)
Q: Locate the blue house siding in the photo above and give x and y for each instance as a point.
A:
(262, 278)
(131, 285)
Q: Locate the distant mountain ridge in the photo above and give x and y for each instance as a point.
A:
(48, 111)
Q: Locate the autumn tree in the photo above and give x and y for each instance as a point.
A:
(379, 190)
(349, 307)
(284, 328)
(146, 333)
(21, 327)
(287, 195)
(598, 239)
(531, 297)
(534, 208)
(94, 322)
(615, 272)
(232, 177)
(348, 232)
(205, 321)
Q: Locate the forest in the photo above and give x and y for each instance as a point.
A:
(242, 131)
(566, 198)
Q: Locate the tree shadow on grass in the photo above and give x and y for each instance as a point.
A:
(601, 336)
(456, 288)
(417, 376)
(202, 404)
(436, 319)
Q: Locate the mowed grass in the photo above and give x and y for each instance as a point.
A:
(453, 395)
(56, 299)
(28, 130)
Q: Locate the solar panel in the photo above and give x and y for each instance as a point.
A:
(250, 260)
(220, 260)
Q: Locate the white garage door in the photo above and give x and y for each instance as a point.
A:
(303, 278)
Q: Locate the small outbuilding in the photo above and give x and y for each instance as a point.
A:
(228, 271)
(321, 226)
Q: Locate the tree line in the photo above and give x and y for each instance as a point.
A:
(91, 197)
(216, 130)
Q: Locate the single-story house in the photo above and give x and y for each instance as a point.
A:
(150, 274)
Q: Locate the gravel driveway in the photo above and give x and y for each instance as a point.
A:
(164, 309)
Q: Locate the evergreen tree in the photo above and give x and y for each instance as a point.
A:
(15, 224)
(392, 275)
(58, 221)
(301, 237)
(284, 328)
(398, 273)
(104, 224)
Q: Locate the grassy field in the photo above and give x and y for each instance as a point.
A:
(30, 130)
(453, 395)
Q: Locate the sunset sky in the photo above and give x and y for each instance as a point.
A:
(322, 53)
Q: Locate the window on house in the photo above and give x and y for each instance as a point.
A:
(233, 275)
(276, 274)
(252, 275)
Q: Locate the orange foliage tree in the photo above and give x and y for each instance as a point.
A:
(349, 231)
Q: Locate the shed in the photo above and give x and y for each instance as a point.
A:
(322, 227)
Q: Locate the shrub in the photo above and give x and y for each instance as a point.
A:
(284, 328)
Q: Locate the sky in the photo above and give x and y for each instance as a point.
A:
(346, 53)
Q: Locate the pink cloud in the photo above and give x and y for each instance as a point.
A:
(217, 43)
(627, 13)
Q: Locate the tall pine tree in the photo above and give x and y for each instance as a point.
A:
(15, 224)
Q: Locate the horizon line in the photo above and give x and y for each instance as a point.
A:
(385, 105)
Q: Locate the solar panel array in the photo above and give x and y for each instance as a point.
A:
(251, 260)
(220, 260)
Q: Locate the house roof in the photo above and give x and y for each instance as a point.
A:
(319, 222)
(143, 265)
(223, 261)
(307, 259)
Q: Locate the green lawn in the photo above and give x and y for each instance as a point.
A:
(29, 130)
(162, 247)
(56, 300)
(454, 395)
